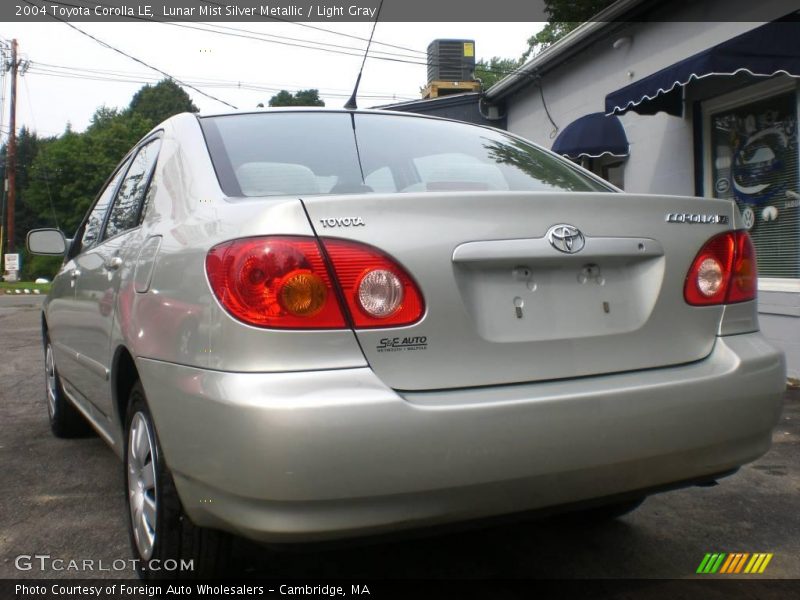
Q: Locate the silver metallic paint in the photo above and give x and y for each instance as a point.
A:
(297, 436)
(335, 453)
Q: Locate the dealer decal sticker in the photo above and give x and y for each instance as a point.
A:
(735, 562)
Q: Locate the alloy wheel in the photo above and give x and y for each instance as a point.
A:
(142, 484)
(52, 381)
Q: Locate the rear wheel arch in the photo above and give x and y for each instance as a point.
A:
(124, 376)
(159, 528)
(45, 329)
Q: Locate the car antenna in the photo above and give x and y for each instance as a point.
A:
(351, 103)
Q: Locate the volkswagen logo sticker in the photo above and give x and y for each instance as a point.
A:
(566, 238)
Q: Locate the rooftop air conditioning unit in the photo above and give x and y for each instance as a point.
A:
(451, 60)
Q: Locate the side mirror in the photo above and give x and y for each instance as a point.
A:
(50, 242)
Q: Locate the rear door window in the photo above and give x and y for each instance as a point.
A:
(128, 203)
(93, 227)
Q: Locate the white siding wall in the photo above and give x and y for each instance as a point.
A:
(661, 146)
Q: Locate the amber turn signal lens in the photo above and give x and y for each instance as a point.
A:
(303, 293)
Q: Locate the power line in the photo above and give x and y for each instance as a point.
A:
(149, 66)
(143, 76)
(292, 39)
(91, 75)
(332, 32)
(264, 37)
(301, 43)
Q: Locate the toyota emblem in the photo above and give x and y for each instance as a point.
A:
(566, 238)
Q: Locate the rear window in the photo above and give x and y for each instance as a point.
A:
(313, 153)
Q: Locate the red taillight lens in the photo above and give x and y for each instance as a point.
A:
(284, 283)
(744, 281)
(378, 291)
(723, 272)
(277, 282)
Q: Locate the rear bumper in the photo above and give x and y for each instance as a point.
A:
(331, 454)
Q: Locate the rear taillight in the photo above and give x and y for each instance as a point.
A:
(377, 290)
(284, 283)
(277, 282)
(723, 272)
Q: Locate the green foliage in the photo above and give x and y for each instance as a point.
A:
(563, 16)
(34, 266)
(300, 98)
(59, 177)
(69, 170)
(28, 145)
(161, 101)
(6, 287)
(493, 70)
(549, 35)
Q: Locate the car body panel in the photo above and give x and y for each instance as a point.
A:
(331, 454)
(475, 256)
(301, 435)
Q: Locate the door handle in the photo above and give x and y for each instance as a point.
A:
(114, 263)
(75, 273)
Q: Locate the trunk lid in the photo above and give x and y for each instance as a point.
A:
(504, 305)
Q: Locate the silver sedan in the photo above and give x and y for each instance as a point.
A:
(308, 325)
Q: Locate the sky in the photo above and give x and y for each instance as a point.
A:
(238, 70)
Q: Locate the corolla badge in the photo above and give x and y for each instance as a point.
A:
(566, 238)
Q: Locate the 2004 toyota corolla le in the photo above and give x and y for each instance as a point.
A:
(308, 325)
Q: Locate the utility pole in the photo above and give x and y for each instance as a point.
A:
(11, 159)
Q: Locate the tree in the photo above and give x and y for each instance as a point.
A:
(562, 17)
(308, 97)
(59, 177)
(69, 170)
(28, 146)
(161, 101)
(493, 70)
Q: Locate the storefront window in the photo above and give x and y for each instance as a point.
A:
(754, 162)
(610, 168)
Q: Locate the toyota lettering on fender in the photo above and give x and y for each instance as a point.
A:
(343, 222)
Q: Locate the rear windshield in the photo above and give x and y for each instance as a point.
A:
(312, 153)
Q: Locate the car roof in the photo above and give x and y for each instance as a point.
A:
(316, 109)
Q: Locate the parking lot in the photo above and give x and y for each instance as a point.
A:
(64, 498)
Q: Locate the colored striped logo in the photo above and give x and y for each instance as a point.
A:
(735, 562)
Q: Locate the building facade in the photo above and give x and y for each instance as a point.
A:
(708, 107)
(462, 107)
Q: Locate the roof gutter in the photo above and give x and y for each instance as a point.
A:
(568, 46)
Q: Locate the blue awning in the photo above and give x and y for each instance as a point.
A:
(768, 50)
(592, 136)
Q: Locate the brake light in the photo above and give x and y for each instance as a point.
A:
(744, 280)
(277, 282)
(377, 290)
(723, 272)
(283, 282)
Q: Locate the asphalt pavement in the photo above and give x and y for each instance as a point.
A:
(64, 499)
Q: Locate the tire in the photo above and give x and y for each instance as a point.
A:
(158, 527)
(65, 420)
